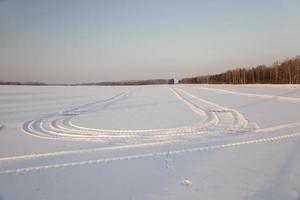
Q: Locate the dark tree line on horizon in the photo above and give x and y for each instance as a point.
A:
(133, 82)
(115, 83)
(285, 72)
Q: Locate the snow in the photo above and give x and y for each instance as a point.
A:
(186, 182)
(150, 142)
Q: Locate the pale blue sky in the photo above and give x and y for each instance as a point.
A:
(88, 40)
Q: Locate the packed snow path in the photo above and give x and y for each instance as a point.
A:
(224, 126)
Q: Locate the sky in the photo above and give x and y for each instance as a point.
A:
(71, 41)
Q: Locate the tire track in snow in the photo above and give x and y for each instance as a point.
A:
(29, 130)
(240, 121)
(35, 128)
(76, 152)
(147, 155)
(186, 98)
(280, 98)
(264, 96)
(239, 118)
(59, 126)
(279, 127)
(47, 129)
(54, 130)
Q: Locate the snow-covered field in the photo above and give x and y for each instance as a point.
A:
(150, 142)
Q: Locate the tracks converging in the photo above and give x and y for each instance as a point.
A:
(214, 120)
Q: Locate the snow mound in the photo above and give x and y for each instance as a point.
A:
(187, 183)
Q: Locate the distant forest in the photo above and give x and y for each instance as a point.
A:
(117, 83)
(134, 82)
(22, 83)
(285, 72)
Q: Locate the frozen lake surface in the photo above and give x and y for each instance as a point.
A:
(150, 142)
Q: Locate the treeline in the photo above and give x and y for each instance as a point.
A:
(135, 82)
(117, 83)
(285, 72)
(22, 83)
